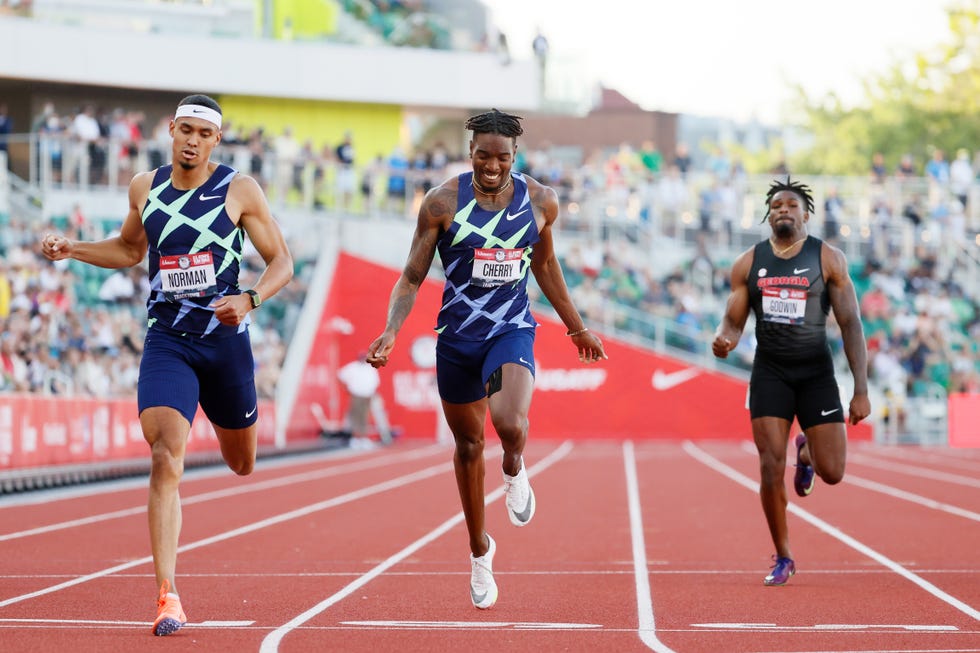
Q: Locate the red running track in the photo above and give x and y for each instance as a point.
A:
(635, 547)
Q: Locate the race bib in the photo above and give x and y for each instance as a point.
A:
(188, 275)
(783, 305)
(496, 267)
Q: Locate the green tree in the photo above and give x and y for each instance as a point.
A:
(930, 101)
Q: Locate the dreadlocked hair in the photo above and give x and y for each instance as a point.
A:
(495, 122)
(800, 189)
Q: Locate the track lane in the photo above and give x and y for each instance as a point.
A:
(850, 582)
(567, 580)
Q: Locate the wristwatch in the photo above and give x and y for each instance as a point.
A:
(256, 298)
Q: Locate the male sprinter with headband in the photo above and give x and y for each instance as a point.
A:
(790, 281)
(191, 216)
(490, 226)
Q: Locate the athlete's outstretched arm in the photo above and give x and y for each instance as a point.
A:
(843, 301)
(121, 251)
(434, 214)
(548, 273)
(732, 324)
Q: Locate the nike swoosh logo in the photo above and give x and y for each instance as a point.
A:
(795, 271)
(251, 412)
(511, 216)
(521, 359)
(207, 198)
(478, 598)
(525, 514)
(828, 412)
(664, 381)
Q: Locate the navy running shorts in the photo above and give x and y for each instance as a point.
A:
(805, 389)
(463, 367)
(180, 371)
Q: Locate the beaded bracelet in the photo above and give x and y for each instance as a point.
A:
(576, 333)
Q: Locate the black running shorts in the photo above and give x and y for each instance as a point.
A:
(806, 390)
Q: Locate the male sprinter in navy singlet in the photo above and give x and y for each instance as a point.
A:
(491, 226)
(790, 281)
(191, 216)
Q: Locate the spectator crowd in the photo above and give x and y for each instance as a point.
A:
(915, 269)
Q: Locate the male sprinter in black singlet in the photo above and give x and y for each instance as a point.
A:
(790, 281)
(491, 226)
(191, 216)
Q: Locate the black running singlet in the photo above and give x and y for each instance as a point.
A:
(790, 302)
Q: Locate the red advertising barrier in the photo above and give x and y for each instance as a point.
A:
(964, 420)
(635, 394)
(38, 431)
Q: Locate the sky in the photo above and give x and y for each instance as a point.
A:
(727, 58)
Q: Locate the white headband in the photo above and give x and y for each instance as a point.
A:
(198, 111)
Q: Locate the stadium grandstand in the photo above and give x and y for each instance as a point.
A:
(653, 212)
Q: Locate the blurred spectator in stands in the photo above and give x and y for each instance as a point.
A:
(961, 177)
(344, 181)
(682, 159)
(422, 172)
(159, 146)
(361, 380)
(726, 207)
(913, 211)
(287, 152)
(780, 168)
(503, 49)
(671, 193)
(878, 170)
(6, 128)
(257, 149)
(89, 156)
(906, 167)
(78, 224)
(5, 291)
(371, 177)
(120, 286)
(651, 158)
(701, 269)
(708, 206)
(589, 300)
(414, 31)
(833, 211)
(541, 48)
(397, 179)
(51, 133)
(13, 367)
(937, 170)
(47, 110)
(126, 130)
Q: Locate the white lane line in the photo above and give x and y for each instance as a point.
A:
(912, 470)
(913, 498)
(826, 627)
(644, 602)
(105, 623)
(239, 490)
(468, 625)
(271, 642)
(384, 486)
(698, 454)
(896, 492)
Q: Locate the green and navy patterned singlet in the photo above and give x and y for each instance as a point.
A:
(195, 251)
(486, 256)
